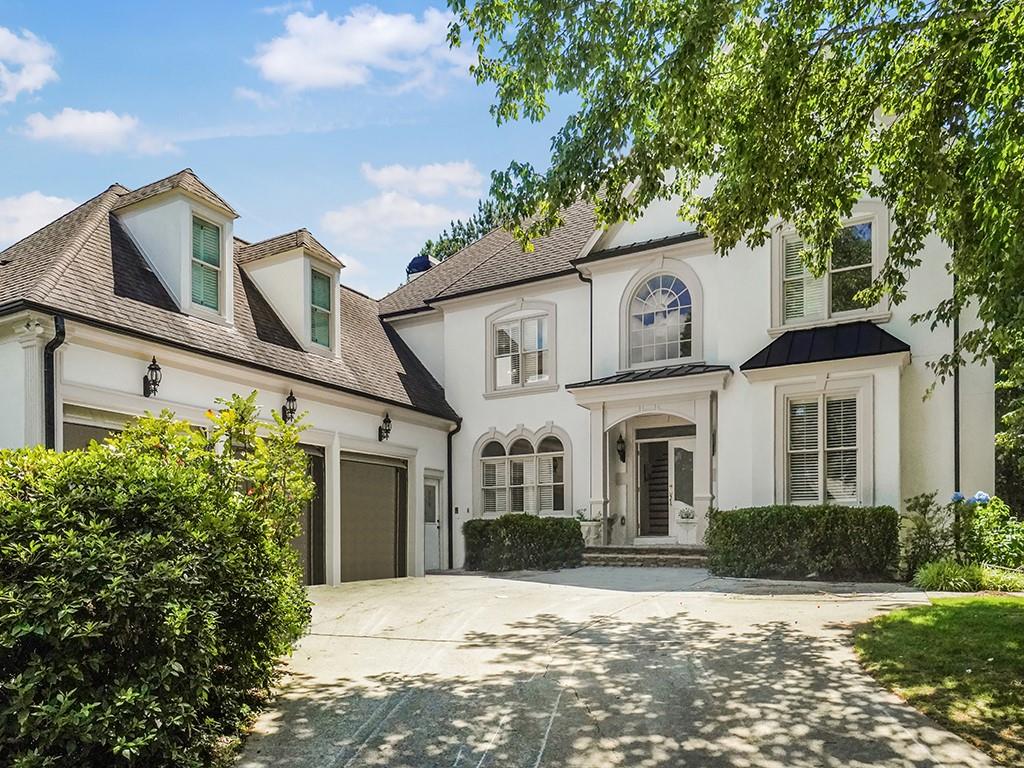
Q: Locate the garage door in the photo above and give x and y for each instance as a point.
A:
(373, 517)
(311, 543)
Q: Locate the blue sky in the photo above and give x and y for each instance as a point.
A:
(355, 121)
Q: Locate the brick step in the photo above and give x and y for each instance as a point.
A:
(662, 549)
(644, 559)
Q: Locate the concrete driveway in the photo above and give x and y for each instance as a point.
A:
(590, 668)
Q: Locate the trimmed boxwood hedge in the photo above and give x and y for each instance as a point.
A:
(788, 541)
(522, 542)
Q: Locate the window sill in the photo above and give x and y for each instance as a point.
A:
(515, 391)
(204, 313)
(870, 316)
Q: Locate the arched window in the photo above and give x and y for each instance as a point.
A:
(660, 321)
(530, 478)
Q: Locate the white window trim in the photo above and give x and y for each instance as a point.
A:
(664, 265)
(860, 387)
(867, 211)
(506, 440)
(224, 314)
(529, 309)
(314, 309)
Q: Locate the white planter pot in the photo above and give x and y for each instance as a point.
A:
(591, 532)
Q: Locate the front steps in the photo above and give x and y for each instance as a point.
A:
(677, 556)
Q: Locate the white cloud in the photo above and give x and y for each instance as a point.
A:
(324, 52)
(261, 100)
(431, 180)
(24, 214)
(26, 64)
(95, 131)
(388, 222)
(283, 8)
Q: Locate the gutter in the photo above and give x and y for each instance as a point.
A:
(451, 515)
(103, 325)
(590, 283)
(956, 400)
(49, 383)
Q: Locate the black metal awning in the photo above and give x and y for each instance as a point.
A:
(832, 342)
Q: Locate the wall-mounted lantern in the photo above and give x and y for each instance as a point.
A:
(288, 409)
(620, 448)
(151, 381)
(384, 430)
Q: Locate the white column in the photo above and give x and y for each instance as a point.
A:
(598, 502)
(702, 495)
(332, 509)
(32, 337)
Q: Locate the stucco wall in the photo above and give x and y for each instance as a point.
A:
(104, 372)
(425, 336)
(12, 394)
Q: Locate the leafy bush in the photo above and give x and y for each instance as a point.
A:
(991, 534)
(147, 587)
(522, 542)
(790, 541)
(947, 575)
(927, 532)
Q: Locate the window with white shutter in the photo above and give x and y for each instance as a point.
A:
(206, 264)
(320, 308)
(521, 352)
(528, 479)
(808, 298)
(822, 450)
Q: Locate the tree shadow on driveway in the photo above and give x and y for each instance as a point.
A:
(666, 690)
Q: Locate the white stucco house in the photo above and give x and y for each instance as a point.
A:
(628, 377)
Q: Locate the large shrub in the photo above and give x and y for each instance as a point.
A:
(521, 542)
(788, 541)
(147, 587)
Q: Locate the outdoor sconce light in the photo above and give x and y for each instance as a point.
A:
(151, 381)
(384, 430)
(620, 448)
(288, 409)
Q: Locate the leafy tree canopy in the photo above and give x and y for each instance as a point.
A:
(797, 108)
(458, 234)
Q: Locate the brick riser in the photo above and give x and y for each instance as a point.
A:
(652, 557)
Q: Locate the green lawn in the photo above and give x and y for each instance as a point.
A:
(961, 662)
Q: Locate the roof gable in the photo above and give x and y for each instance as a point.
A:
(300, 238)
(184, 180)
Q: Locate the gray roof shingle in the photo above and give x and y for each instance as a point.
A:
(300, 238)
(86, 267)
(496, 261)
(185, 180)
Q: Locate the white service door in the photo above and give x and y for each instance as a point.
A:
(680, 477)
(432, 525)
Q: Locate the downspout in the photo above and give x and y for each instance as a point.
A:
(49, 385)
(451, 515)
(956, 398)
(590, 337)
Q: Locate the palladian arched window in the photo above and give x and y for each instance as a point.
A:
(530, 477)
(660, 321)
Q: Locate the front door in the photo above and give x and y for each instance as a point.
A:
(653, 488)
(680, 482)
(431, 524)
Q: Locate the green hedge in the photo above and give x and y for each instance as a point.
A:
(827, 542)
(147, 589)
(522, 542)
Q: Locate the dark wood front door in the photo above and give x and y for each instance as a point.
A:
(652, 477)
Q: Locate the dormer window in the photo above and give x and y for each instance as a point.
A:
(320, 308)
(206, 264)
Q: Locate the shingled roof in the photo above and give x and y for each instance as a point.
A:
(185, 180)
(300, 238)
(84, 266)
(497, 261)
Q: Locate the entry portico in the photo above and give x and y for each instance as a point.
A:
(652, 445)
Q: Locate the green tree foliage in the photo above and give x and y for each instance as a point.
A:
(458, 234)
(147, 589)
(797, 108)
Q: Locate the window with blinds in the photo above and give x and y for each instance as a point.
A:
(528, 479)
(821, 453)
(806, 297)
(320, 309)
(206, 264)
(520, 352)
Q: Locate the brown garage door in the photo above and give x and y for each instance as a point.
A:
(373, 518)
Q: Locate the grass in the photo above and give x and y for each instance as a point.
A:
(961, 662)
